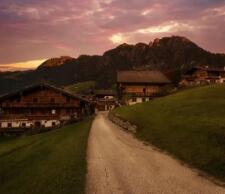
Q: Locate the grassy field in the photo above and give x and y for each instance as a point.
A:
(51, 163)
(189, 124)
(80, 87)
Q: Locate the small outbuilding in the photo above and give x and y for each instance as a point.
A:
(105, 99)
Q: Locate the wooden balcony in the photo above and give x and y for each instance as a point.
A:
(140, 94)
(193, 78)
(38, 105)
(29, 117)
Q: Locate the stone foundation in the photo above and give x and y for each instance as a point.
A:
(122, 123)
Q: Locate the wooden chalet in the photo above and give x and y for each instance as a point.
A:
(203, 75)
(39, 106)
(105, 99)
(140, 86)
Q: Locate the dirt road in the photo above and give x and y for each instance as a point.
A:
(118, 163)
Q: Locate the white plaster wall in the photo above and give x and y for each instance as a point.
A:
(15, 124)
(27, 124)
(108, 97)
(48, 123)
(221, 80)
(4, 124)
(138, 100)
(18, 124)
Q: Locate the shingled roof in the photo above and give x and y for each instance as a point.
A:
(40, 85)
(142, 77)
(104, 92)
(205, 68)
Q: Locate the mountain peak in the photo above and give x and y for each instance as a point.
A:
(57, 61)
(172, 55)
(123, 45)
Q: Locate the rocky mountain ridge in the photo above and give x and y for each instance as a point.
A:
(172, 55)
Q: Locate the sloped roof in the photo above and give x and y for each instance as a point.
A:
(40, 85)
(104, 92)
(205, 68)
(142, 77)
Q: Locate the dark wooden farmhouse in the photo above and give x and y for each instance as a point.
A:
(140, 86)
(39, 106)
(203, 75)
(105, 99)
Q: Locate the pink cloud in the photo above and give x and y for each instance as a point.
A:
(42, 29)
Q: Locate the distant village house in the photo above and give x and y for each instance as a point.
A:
(105, 100)
(39, 106)
(140, 86)
(203, 75)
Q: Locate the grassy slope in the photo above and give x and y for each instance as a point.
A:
(80, 87)
(189, 124)
(53, 162)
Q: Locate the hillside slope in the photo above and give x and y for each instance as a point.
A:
(189, 124)
(80, 87)
(51, 163)
(172, 55)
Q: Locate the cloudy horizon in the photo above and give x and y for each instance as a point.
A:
(33, 30)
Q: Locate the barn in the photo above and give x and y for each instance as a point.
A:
(138, 86)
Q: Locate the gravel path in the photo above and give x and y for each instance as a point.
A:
(119, 163)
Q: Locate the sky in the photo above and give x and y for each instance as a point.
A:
(34, 30)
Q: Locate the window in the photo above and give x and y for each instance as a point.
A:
(67, 99)
(35, 100)
(18, 99)
(144, 90)
(143, 99)
(52, 100)
(9, 125)
(37, 124)
(53, 112)
(44, 112)
(53, 123)
(23, 124)
(133, 99)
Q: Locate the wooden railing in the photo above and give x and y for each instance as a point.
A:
(28, 116)
(34, 105)
(140, 94)
(201, 77)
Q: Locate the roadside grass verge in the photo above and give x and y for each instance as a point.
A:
(189, 124)
(51, 163)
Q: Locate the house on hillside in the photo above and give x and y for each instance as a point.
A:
(140, 86)
(39, 106)
(105, 99)
(203, 75)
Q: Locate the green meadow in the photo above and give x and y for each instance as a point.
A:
(80, 87)
(51, 163)
(189, 125)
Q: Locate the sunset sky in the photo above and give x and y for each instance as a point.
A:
(34, 30)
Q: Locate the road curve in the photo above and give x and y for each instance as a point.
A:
(118, 163)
